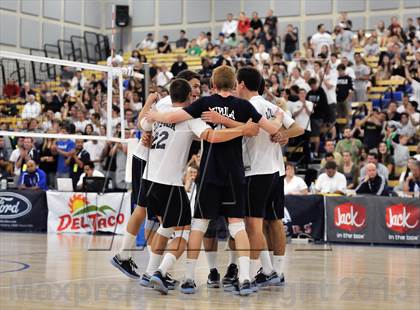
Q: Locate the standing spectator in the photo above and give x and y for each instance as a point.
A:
(163, 46)
(294, 185)
(349, 170)
(5, 167)
(371, 47)
(31, 109)
(78, 158)
(372, 158)
(321, 38)
(401, 153)
(296, 79)
(372, 126)
(182, 41)
(78, 81)
(11, 89)
(344, 92)
(243, 24)
(81, 122)
(27, 153)
(48, 161)
(14, 156)
(51, 102)
(148, 43)
(331, 181)
(202, 40)
(164, 76)
(362, 77)
(290, 41)
(256, 24)
(344, 42)
(26, 91)
(95, 149)
(262, 56)
(373, 183)
(33, 178)
(230, 25)
(329, 84)
(271, 22)
(415, 82)
(63, 148)
(179, 65)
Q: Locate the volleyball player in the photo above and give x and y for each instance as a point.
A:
(221, 174)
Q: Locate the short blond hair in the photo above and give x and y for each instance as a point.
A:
(224, 78)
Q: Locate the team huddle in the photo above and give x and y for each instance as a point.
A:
(240, 180)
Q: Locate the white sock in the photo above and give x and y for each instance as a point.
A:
(127, 245)
(272, 256)
(154, 262)
(232, 257)
(190, 268)
(266, 262)
(212, 259)
(149, 249)
(254, 265)
(243, 268)
(168, 260)
(278, 262)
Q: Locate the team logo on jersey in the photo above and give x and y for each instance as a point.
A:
(401, 218)
(350, 217)
(82, 214)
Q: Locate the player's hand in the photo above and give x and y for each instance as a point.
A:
(280, 138)
(212, 116)
(152, 98)
(146, 139)
(250, 129)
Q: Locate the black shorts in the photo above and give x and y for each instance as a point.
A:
(217, 228)
(171, 203)
(275, 207)
(332, 113)
(262, 194)
(213, 201)
(316, 125)
(137, 170)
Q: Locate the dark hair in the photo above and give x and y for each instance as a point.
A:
(188, 75)
(312, 81)
(341, 67)
(290, 164)
(331, 165)
(329, 155)
(319, 26)
(261, 89)
(414, 104)
(250, 76)
(374, 154)
(179, 90)
(90, 164)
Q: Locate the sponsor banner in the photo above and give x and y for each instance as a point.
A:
(349, 219)
(304, 215)
(23, 210)
(397, 220)
(88, 212)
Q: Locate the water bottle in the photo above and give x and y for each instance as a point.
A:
(312, 190)
(416, 191)
(3, 184)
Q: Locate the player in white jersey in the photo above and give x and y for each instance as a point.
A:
(166, 196)
(264, 168)
(123, 260)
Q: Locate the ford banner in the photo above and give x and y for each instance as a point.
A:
(23, 210)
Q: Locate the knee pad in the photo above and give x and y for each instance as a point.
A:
(151, 225)
(182, 234)
(235, 228)
(166, 232)
(199, 224)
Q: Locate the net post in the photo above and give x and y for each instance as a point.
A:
(122, 116)
(109, 105)
(146, 80)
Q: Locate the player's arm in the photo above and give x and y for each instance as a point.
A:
(293, 131)
(216, 136)
(151, 99)
(168, 117)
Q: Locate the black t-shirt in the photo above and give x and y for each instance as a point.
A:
(75, 170)
(344, 85)
(320, 101)
(223, 160)
(289, 43)
(255, 24)
(167, 48)
(372, 136)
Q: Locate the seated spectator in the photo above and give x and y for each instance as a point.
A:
(148, 43)
(329, 148)
(371, 47)
(89, 171)
(62, 148)
(256, 23)
(350, 170)
(372, 158)
(243, 24)
(164, 46)
(385, 157)
(294, 185)
(51, 102)
(5, 166)
(372, 126)
(350, 144)
(26, 90)
(203, 41)
(81, 122)
(164, 76)
(271, 22)
(230, 25)
(194, 49)
(182, 41)
(373, 183)
(412, 183)
(401, 152)
(179, 65)
(262, 56)
(33, 178)
(11, 89)
(232, 41)
(31, 109)
(331, 181)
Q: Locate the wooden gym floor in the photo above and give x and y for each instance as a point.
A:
(40, 271)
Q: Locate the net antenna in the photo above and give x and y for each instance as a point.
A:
(112, 72)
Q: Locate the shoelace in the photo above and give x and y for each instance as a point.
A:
(132, 263)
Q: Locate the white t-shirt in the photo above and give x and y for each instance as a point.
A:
(296, 185)
(80, 126)
(94, 149)
(261, 156)
(14, 156)
(303, 118)
(95, 173)
(302, 84)
(331, 94)
(321, 39)
(350, 72)
(169, 151)
(416, 90)
(163, 78)
(230, 27)
(327, 185)
(31, 110)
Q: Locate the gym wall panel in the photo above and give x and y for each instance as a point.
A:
(93, 16)
(373, 20)
(173, 34)
(412, 4)
(50, 33)
(198, 10)
(359, 22)
(30, 7)
(311, 26)
(73, 11)
(137, 37)
(8, 30)
(383, 4)
(71, 31)
(170, 12)
(259, 6)
(143, 13)
(351, 6)
(10, 5)
(52, 9)
(223, 7)
(314, 7)
(287, 8)
(29, 33)
(193, 32)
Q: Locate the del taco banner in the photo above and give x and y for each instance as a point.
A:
(88, 212)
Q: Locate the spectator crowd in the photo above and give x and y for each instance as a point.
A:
(355, 92)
